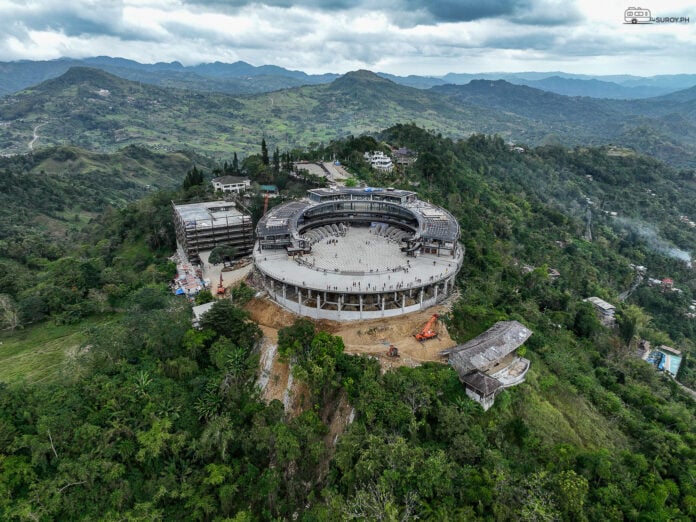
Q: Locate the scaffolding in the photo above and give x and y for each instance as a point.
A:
(205, 225)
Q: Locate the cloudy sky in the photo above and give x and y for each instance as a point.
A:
(396, 36)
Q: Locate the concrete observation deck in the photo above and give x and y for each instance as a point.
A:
(358, 265)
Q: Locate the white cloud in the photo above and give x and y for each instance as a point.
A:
(397, 36)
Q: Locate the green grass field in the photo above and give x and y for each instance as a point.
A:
(39, 353)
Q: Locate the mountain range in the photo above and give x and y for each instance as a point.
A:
(243, 78)
(99, 111)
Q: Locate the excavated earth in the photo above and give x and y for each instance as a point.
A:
(372, 337)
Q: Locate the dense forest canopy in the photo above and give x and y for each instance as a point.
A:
(153, 420)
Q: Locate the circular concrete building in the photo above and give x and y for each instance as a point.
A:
(347, 254)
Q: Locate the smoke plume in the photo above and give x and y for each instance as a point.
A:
(650, 237)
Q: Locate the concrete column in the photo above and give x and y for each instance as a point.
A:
(340, 302)
(318, 302)
(421, 296)
(299, 298)
(384, 302)
(285, 290)
(403, 301)
(435, 292)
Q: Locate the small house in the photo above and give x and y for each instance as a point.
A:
(231, 184)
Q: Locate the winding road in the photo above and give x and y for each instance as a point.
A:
(36, 135)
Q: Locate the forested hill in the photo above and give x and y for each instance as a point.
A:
(151, 420)
(95, 110)
(54, 190)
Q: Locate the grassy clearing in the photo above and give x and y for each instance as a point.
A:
(39, 353)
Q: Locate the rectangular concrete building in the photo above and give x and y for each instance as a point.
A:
(205, 225)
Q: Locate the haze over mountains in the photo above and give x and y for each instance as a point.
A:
(241, 77)
(96, 110)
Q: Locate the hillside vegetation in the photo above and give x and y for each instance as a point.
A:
(92, 109)
(55, 190)
(162, 422)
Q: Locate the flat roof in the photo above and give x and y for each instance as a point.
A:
(231, 179)
(360, 192)
(375, 262)
(209, 213)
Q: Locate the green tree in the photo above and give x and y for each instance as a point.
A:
(9, 314)
(276, 160)
(586, 323)
(204, 296)
(194, 178)
(235, 164)
(222, 253)
(226, 320)
(631, 320)
(264, 152)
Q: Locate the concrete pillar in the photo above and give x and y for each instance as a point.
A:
(285, 290)
(340, 302)
(318, 302)
(403, 301)
(435, 292)
(421, 296)
(299, 299)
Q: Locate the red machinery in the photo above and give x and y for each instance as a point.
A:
(393, 351)
(428, 331)
(220, 288)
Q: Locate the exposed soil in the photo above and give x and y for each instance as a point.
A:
(371, 337)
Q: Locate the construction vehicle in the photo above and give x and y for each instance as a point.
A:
(393, 351)
(220, 288)
(428, 331)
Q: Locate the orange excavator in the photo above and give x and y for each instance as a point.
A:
(220, 288)
(428, 331)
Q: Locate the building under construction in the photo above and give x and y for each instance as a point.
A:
(205, 225)
(348, 254)
(487, 364)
